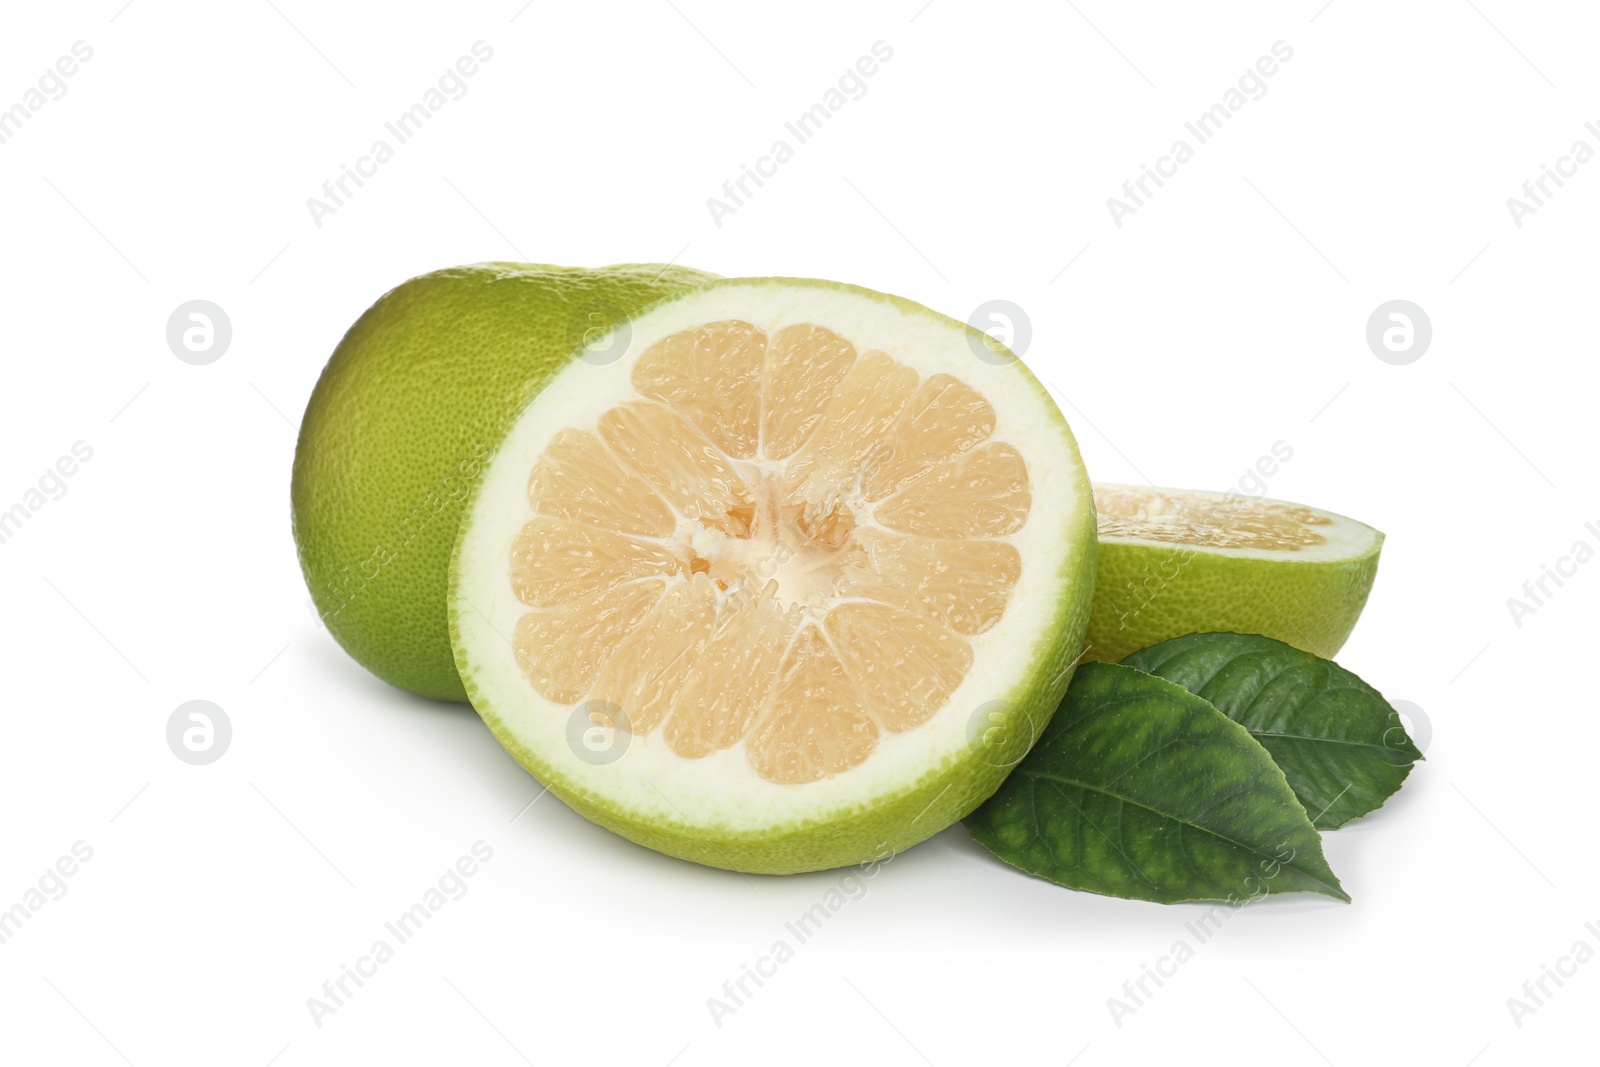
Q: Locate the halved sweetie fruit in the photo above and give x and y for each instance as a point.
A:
(781, 575)
(1174, 562)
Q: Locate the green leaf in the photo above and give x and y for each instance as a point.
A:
(1138, 788)
(1340, 744)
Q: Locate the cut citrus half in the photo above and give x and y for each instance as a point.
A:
(778, 576)
(1180, 561)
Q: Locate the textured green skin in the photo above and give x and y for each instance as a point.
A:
(941, 796)
(1140, 789)
(412, 402)
(1146, 594)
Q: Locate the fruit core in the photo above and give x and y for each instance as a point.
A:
(1207, 520)
(776, 542)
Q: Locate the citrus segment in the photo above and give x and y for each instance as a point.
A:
(696, 478)
(579, 479)
(851, 431)
(564, 648)
(944, 419)
(963, 584)
(713, 377)
(817, 725)
(903, 667)
(735, 670)
(649, 667)
(982, 493)
(555, 562)
(804, 366)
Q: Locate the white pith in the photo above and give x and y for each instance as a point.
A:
(651, 783)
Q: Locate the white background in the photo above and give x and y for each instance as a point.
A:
(1226, 315)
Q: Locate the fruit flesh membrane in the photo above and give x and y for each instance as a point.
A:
(1197, 519)
(795, 561)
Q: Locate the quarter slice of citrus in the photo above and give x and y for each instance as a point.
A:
(1181, 561)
